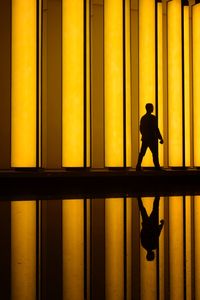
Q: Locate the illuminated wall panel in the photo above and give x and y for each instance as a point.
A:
(24, 87)
(73, 249)
(113, 84)
(187, 86)
(196, 81)
(128, 82)
(160, 76)
(176, 248)
(147, 269)
(73, 83)
(114, 249)
(23, 250)
(197, 245)
(146, 60)
(174, 84)
(88, 83)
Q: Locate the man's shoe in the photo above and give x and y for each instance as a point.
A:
(138, 168)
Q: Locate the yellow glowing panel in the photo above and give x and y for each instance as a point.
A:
(128, 84)
(174, 84)
(148, 269)
(197, 245)
(160, 78)
(88, 79)
(146, 60)
(114, 249)
(176, 248)
(23, 89)
(196, 80)
(187, 86)
(23, 250)
(113, 85)
(72, 83)
(73, 249)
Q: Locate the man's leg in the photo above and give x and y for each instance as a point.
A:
(141, 155)
(154, 149)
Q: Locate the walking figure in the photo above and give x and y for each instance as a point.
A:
(150, 136)
(151, 228)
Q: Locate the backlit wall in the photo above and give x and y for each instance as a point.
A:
(81, 73)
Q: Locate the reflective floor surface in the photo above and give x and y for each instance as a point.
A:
(108, 248)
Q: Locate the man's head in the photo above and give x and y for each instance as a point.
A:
(149, 108)
(150, 255)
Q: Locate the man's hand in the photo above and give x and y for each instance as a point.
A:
(161, 141)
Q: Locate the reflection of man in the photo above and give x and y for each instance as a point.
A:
(150, 135)
(151, 228)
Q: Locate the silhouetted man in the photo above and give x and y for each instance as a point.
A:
(150, 136)
(151, 228)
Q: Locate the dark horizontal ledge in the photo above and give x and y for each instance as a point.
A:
(101, 183)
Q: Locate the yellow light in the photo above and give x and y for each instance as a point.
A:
(187, 86)
(23, 250)
(146, 60)
(148, 270)
(24, 87)
(128, 83)
(196, 78)
(160, 77)
(73, 83)
(73, 249)
(174, 83)
(176, 247)
(88, 80)
(113, 66)
(114, 249)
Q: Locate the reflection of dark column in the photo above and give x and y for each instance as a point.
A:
(97, 249)
(136, 250)
(5, 82)
(51, 254)
(5, 249)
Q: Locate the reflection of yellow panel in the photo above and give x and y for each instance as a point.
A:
(129, 241)
(176, 247)
(196, 79)
(197, 245)
(160, 77)
(113, 66)
(73, 83)
(174, 83)
(24, 66)
(187, 86)
(189, 241)
(146, 59)
(128, 84)
(148, 269)
(23, 250)
(73, 249)
(114, 249)
(162, 249)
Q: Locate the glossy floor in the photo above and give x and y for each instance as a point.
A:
(113, 248)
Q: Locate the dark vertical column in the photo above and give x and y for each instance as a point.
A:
(5, 249)
(51, 251)
(97, 84)
(51, 84)
(97, 249)
(5, 83)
